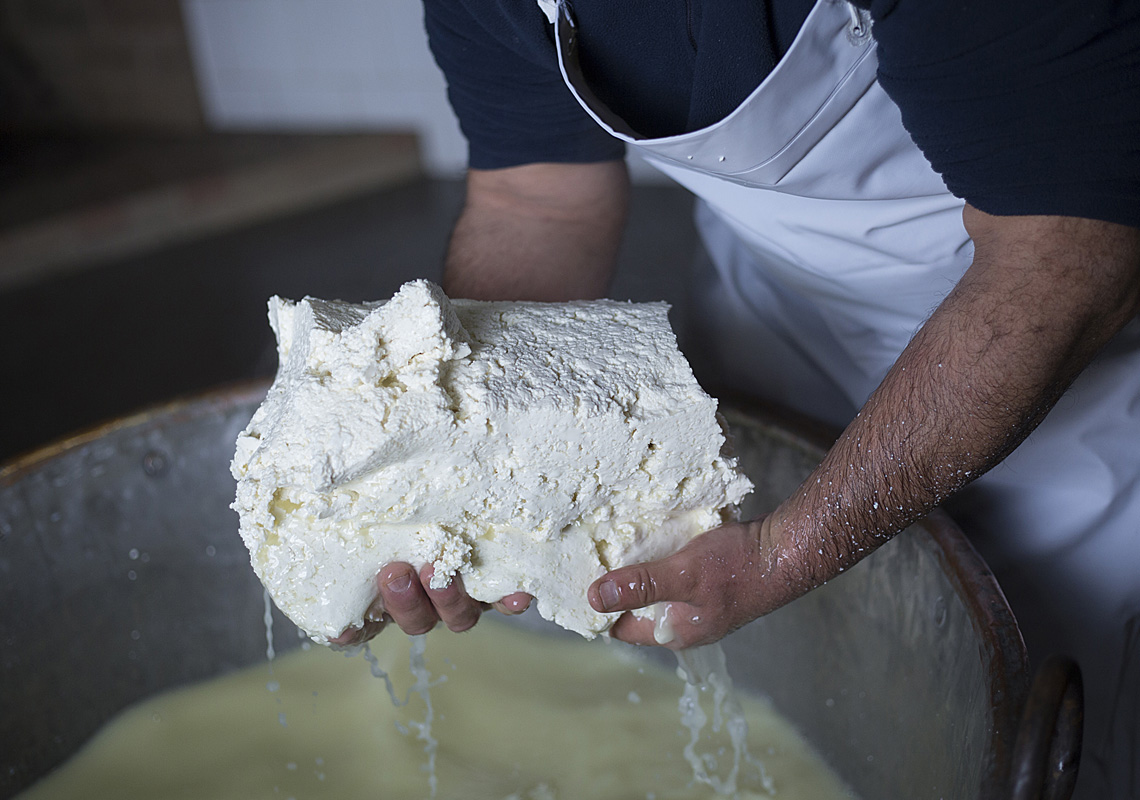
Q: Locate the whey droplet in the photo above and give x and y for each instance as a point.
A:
(663, 631)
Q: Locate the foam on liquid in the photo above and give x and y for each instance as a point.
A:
(526, 717)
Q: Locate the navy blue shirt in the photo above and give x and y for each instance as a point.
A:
(1022, 107)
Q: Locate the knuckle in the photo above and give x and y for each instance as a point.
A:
(690, 576)
(463, 622)
(453, 603)
(460, 612)
(640, 586)
(417, 626)
(401, 604)
(413, 615)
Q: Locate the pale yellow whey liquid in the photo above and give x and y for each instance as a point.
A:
(517, 716)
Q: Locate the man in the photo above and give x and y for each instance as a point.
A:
(937, 300)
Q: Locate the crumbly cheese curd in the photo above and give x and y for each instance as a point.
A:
(523, 446)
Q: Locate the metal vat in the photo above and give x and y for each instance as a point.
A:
(121, 574)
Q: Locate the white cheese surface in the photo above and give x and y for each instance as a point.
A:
(525, 446)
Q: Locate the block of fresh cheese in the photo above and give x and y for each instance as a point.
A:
(522, 446)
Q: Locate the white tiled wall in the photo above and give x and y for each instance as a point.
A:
(322, 65)
(328, 65)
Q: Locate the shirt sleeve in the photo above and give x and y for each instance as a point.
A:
(505, 87)
(1022, 107)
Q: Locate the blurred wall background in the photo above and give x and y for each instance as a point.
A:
(99, 64)
(226, 65)
(320, 65)
(230, 65)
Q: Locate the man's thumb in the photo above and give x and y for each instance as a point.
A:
(641, 585)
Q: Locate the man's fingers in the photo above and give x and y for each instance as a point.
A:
(408, 600)
(457, 610)
(513, 604)
(641, 585)
(360, 635)
(634, 630)
(405, 600)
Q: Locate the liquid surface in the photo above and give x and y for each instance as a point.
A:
(562, 720)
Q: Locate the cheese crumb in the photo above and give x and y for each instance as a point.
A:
(524, 446)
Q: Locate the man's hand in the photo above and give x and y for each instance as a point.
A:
(716, 583)
(1043, 295)
(407, 599)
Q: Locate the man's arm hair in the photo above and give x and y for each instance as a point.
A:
(546, 232)
(1042, 297)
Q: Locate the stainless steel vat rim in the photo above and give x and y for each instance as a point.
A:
(189, 407)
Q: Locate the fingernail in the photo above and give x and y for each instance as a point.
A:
(608, 593)
(399, 584)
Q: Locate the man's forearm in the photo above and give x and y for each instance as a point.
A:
(538, 232)
(1042, 297)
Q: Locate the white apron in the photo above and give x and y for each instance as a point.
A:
(831, 241)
